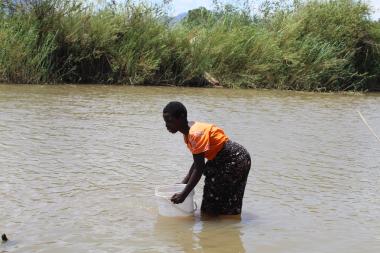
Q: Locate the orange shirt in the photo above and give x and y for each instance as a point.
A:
(206, 138)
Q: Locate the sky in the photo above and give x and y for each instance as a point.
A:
(180, 6)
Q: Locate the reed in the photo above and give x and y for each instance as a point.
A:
(312, 45)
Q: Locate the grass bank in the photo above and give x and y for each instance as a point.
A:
(311, 45)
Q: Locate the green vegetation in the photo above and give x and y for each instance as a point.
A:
(314, 45)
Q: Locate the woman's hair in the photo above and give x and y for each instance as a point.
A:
(176, 109)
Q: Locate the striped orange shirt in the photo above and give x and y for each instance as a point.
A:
(206, 138)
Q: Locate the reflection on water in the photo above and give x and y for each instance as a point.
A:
(79, 164)
(197, 234)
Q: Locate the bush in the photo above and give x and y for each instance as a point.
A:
(312, 45)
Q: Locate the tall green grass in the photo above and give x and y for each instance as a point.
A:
(318, 45)
(23, 58)
(313, 45)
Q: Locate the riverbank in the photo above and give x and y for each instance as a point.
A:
(312, 46)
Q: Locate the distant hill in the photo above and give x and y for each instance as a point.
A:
(178, 18)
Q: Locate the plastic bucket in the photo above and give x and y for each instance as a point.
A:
(167, 208)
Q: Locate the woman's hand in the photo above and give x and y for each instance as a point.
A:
(192, 178)
(178, 198)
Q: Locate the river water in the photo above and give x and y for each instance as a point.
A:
(79, 164)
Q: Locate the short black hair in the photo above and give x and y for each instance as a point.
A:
(176, 109)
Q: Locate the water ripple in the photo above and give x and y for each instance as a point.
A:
(80, 163)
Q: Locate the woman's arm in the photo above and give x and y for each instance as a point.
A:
(196, 174)
(186, 179)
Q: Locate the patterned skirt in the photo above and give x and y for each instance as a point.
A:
(225, 180)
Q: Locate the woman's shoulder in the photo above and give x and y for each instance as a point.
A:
(197, 129)
(200, 126)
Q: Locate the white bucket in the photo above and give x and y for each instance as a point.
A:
(167, 208)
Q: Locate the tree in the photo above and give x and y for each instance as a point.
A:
(199, 16)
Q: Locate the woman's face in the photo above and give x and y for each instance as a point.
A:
(171, 123)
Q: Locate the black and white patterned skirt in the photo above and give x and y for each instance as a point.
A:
(225, 180)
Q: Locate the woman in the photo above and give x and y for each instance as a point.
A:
(226, 170)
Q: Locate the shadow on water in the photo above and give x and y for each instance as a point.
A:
(198, 234)
(7, 246)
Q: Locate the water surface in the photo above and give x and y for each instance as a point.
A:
(78, 167)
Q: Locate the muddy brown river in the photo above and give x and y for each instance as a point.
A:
(79, 164)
